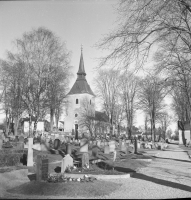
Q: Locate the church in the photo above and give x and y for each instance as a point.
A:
(80, 92)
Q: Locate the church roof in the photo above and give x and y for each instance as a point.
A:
(81, 85)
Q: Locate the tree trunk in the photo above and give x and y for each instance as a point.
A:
(30, 126)
(51, 119)
(16, 124)
(35, 126)
(8, 121)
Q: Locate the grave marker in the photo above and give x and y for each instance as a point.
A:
(67, 161)
(112, 146)
(85, 159)
(95, 151)
(41, 168)
(30, 153)
(21, 139)
(84, 145)
(106, 149)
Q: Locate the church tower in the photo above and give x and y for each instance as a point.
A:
(79, 91)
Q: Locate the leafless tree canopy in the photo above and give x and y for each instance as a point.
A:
(39, 71)
(145, 24)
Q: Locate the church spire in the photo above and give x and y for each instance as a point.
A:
(81, 71)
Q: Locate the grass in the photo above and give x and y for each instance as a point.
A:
(70, 189)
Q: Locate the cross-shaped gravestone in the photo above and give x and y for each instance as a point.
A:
(30, 153)
(67, 161)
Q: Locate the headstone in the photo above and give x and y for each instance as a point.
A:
(114, 155)
(37, 146)
(21, 139)
(41, 168)
(68, 149)
(56, 135)
(43, 147)
(56, 143)
(123, 146)
(135, 145)
(30, 153)
(67, 161)
(112, 146)
(85, 159)
(84, 145)
(106, 149)
(95, 151)
(20, 146)
(98, 143)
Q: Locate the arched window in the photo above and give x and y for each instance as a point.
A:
(77, 101)
(90, 101)
(76, 115)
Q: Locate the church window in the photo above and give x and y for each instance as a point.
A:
(76, 115)
(90, 102)
(77, 101)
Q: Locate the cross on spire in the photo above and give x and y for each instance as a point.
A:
(81, 48)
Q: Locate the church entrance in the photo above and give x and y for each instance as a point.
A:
(76, 131)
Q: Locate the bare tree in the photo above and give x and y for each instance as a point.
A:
(42, 57)
(129, 89)
(143, 25)
(151, 98)
(164, 120)
(107, 89)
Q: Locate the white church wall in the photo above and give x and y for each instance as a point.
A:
(73, 108)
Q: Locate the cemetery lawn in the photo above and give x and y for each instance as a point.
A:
(70, 189)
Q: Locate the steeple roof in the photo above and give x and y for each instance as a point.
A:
(81, 85)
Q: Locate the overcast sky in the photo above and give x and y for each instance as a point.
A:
(77, 22)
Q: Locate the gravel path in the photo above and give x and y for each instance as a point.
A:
(168, 176)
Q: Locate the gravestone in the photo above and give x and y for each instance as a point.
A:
(111, 146)
(42, 168)
(114, 155)
(98, 143)
(21, 139)
(47, 142)
(67, 161)
(123, 146)
(84, 145)
(95, 151)
(43, 147)
(30, 153)
(20, 145)
(37, 146)
(106, 149)
(138, 145)
(135, 146)
(16, 138)
(68, 149)
(85, 159)
(56, 143)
